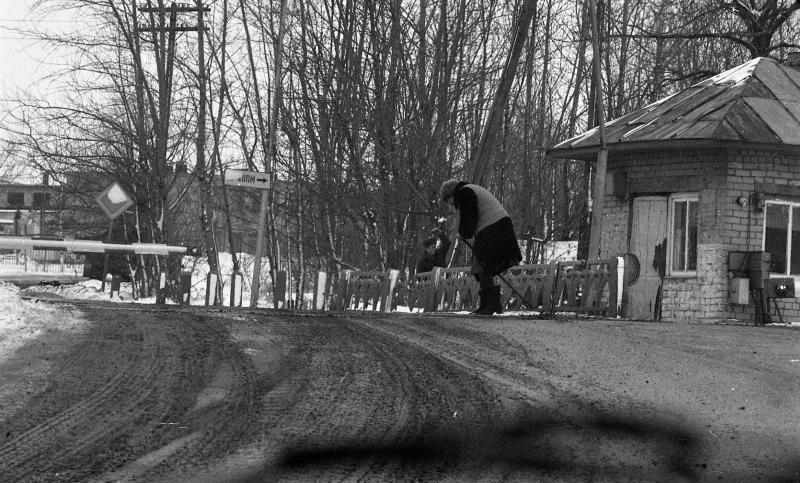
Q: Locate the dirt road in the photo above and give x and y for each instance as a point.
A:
(135, 393)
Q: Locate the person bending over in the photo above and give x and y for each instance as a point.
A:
(488, 229)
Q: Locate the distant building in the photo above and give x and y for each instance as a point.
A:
(70, 211)
(21, 208)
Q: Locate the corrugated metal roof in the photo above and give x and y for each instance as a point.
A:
(757, 102)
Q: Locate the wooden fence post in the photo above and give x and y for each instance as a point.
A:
(613, 287)
(319, 292)
(211, 288)
(279, 289)
(161, 292)
(387, 304)
(236, 289)
(344, 289)
(186, 287)
(115, 283)
(549, 289)
(432, 301)
(622, 286)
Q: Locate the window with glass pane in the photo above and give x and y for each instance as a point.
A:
(684, 235)
(782, 237)
(16, 199)
(37, 199)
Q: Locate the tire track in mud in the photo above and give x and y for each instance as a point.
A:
(489, 356)
(134, 398)
(208, 395)
(385, 409)
(556, 433)
(64, 434)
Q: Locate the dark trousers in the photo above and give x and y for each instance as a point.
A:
(485, 280)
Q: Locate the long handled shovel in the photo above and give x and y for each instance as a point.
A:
(516, 292)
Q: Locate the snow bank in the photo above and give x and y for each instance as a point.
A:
(199, 268)
(21, 321)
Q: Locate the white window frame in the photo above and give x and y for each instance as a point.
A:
(792, 206)
(677, 197)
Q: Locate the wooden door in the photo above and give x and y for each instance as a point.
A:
(648, 235)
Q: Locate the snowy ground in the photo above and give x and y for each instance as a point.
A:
(90, 289)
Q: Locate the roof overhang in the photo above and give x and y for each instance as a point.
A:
(589, 153)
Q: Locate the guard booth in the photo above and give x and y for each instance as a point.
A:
(698, 175)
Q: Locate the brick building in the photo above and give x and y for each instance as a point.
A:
(710, 171)
(23, 207)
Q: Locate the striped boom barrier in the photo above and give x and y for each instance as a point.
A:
(88, 246)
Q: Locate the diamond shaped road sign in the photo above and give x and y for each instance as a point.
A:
(114, 200)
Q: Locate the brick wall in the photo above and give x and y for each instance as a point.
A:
(719, 177)
(776, 175)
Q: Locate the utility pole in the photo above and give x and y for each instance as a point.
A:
(265, 196)
(165, 56)
(206, 172)
(602, 155)
(480, 159)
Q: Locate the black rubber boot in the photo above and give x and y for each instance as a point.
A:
(490, 302)
(483, 297)
(494, 300)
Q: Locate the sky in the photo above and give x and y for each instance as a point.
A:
(25, 61)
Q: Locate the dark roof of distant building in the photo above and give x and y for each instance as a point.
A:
(756, 103)
(23, 186)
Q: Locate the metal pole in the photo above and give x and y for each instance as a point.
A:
(105, 257)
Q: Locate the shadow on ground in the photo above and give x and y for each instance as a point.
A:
(606, 448)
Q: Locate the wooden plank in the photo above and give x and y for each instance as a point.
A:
(777, 118)
(772, 76)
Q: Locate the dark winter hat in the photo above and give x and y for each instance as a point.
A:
(448, 188)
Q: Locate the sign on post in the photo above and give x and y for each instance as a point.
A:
(114, 200)
(251, 179)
